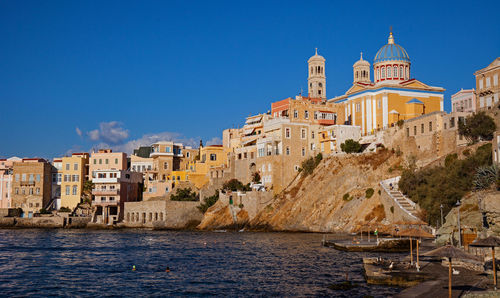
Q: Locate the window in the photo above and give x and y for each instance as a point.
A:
(75, 167)
(306, 114)
(31, 177)
(389, 72)
(95, 161)
(107, 161)
(378, 104)
(415, 130)
(407, 131)
(358, 107)
(395, 71)
(422, 128)
(17, 177)
(31, 190)
(295, 114)
(407, 72)
(67, 190)
(100, 161)
(24, 177)
(401, 71)
(303, 133)
(67, 167)
(383, 72)
(312, 134)
(116, 161)
(287, 132)
(303, 151)
(187, 154)
(488, 82)
(287, 150)
(495, 80)
(16, 190)
(74, 189)
(213, 156)
(430, 126)
(165, 165)
(37, 177)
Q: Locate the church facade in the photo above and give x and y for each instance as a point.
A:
(392, 95)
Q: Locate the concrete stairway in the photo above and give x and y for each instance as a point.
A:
(408, 206)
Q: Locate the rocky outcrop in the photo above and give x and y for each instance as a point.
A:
(473, 207)
(332, 199)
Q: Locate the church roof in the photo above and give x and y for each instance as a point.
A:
(391, 52)
(414, 100)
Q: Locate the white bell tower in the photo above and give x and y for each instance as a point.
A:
(316, 81)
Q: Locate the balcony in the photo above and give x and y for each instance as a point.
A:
(27, 183)
(105, 192)
(326, 121)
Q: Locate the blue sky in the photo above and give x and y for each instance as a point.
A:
(81, 74)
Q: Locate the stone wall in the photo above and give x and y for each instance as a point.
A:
(252, 201)
(392, 210)
(162, 214)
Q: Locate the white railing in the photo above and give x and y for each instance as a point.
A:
(394, 180)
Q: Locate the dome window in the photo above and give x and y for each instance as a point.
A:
(401, 71)
(382, 71)
(389, 72)
(395, 72)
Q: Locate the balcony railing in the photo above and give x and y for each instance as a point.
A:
(105, 192)
(27, 183)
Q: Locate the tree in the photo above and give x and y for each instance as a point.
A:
(350, 146)
(87, 189)
(256, 177)
(209, 202)
(184, 194)
(235, 185)
(477, 127)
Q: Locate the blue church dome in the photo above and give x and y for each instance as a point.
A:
(391, 52)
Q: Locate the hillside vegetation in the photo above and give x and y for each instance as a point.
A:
(432, 186)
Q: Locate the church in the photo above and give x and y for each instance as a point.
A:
(393, 94)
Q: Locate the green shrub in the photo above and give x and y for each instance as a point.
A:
(379, 192)
(64, 209)
(350, 146)
(44, 211)
(369, 193)
(308, 165)
(400, 123)
(392, 209)
(235, 185)
(208, 202)
(431, 187)
(241, 205)
(346, 197)
(256, 177)
(184, 194)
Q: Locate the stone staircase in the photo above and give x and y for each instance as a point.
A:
(390, 186)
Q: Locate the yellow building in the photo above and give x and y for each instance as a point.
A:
(74, 174)
(210, 157)
(392, 96)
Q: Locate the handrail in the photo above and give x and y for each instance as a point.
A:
(393, 180)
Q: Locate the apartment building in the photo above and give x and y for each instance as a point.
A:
(57, 172)
(112, 188)
(106, 159)
(487, 86)
(74, 173)
(31, 185)
(495, 148)
(464, 101)
(6, 177)
(331, 137)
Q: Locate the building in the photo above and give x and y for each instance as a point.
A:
(31, 185)
(57, 172)
(331, 137)
(106, 159)
(392, 96)
(6, 181)
(316, 81)
(212, 156)
(464, 101)
(495, 148)
(487, 87)
(141, 164)
(112, 188)
(75, 173)
(436, 132)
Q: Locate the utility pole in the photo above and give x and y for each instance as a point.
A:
(441, 207)
(459, 231)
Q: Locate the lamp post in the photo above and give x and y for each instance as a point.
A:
(441, 207)
(458, 221)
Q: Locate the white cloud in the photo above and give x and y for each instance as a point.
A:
(109, 132)
(148, 139)
(78, 131)
(214, 141)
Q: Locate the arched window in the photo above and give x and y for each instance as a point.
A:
(356, 74)
(407, 72)
(395, 72)
(382, 73)
(389, 72)
(311, 70)
(320, 85)
(401, 71)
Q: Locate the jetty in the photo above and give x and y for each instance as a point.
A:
(380, 245)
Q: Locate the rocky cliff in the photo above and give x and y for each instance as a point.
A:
(334, 198)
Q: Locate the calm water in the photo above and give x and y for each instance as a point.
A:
(99, 263)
